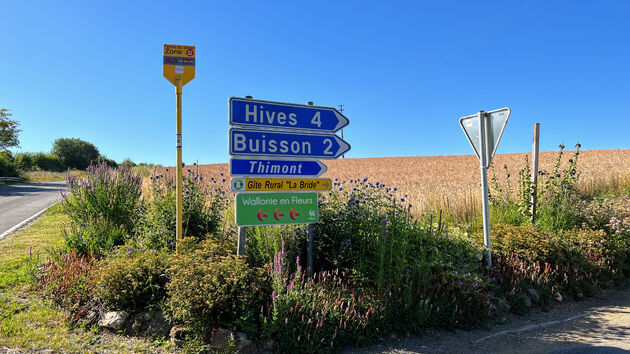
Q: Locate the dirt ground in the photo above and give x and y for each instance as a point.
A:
(599, 324)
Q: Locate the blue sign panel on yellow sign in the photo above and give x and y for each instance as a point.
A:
(179, 61)
(273, 143)
(285, 116)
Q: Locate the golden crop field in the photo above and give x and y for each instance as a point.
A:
(452, 182)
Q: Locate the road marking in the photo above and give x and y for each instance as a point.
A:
(536, 326)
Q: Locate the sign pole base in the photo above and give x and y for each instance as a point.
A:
(309, 251)
(242, 232)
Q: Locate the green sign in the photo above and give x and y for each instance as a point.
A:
(256, 209)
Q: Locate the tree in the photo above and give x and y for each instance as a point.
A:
(8, 130)
(75, 153)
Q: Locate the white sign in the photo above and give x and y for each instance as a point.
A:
(495, 122)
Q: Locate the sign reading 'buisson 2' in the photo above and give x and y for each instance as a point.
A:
(269, 143)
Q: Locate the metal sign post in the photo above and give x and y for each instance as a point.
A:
(483, 165)
(179, 69)
(484, 131)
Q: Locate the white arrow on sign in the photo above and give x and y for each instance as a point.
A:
(495, 122)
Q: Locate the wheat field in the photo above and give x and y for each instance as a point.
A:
(451, 183)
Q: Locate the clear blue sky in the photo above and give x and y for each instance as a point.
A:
(405, 71)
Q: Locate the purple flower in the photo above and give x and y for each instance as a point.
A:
(273, 295)
(154, 251)
(402, 199)
(394, 188)
(408, 270)
(460, 283)
(340, 189)
(364, 179)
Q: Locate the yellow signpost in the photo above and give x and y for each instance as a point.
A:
(179, 69)
(280, 184)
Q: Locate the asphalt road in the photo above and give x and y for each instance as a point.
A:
(18, 202)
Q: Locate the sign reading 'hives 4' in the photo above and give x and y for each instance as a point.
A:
(249, 112)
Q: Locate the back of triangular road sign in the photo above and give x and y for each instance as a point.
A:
(497, 120)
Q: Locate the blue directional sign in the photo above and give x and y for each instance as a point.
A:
(285, 116)
(275, 167)
(272, 143)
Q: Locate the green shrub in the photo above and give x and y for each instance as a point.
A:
(131, 279)
(211, 287)
(24, 161)
(525, 241)
(65, 279)
(111, 193)
(330, 311)
(203, 211)
(94, 237)
(558, 196)
(48, 162)
(102, 208)
(75, 153)
(8, 167)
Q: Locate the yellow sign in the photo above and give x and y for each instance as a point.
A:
(280, 184)
(179, 62)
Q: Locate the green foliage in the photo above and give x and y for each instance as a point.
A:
(94, 236)
(322, 314)
(75, 153)
(128, 162)
(112, 193)
(48, 162)
(131, 279)
(102, 208)
(108, 161)
(8, 130)
(8, 167)
(506, 205)
(210, 286)
(558, 196)
(28, 161)
(574, 261)
(64, 279)
(24, 161)
(203, 211)
(330, 311)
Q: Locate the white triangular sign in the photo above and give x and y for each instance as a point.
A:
(496, 121)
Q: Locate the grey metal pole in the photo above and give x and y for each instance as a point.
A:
(309, 251)
(483, 164)
(535, 152)
(242, 231)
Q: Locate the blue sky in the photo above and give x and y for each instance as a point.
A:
(406, 71)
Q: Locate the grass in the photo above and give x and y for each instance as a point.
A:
(47, 176)
(31, 323)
